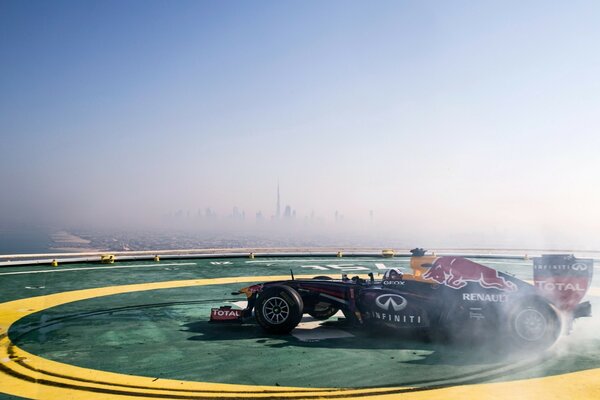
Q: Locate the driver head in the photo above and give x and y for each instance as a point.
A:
(393, 274)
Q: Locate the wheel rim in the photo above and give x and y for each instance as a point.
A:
(276, 310)
(530, 325)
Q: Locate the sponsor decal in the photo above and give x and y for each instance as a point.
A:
(224, 314)
(391, 302)
(250, 290)
(494, 298)
(578, 266)
(392, 306)
(393, 277)
(563, 279)
(475, 313)
(393, 283)
(397, 318)
(560, 286)
(456, 272)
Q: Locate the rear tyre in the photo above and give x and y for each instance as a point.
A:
(534, 324)
(279, 309)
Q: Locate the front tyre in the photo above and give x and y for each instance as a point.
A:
(534, 324)
(279, 309)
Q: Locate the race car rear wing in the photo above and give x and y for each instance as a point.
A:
(564, 280)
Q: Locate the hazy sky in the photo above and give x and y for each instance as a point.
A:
(475, 120)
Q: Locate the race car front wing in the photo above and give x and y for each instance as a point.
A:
(226, 314)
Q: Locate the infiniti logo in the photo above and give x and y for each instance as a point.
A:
(389, 302)
(579, 267)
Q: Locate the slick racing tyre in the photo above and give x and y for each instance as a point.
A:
(279, 309)
(534, 324)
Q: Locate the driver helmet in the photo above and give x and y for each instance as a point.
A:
(393, 274)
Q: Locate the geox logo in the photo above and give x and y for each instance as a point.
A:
(390, 283)
(391, 302)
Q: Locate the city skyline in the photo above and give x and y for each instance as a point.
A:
(239, 213)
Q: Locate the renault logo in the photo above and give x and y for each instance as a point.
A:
(389, 302)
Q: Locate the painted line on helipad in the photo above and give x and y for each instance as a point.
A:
(47, 271)
(27, 375)
(322, 260)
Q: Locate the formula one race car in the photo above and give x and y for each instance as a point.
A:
(447, 297)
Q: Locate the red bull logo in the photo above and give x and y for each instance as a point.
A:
(456, 272)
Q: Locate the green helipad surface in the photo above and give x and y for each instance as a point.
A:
(158, 329)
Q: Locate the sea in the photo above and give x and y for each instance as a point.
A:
(24, 241)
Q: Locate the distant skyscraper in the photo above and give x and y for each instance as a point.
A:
(278, 202)
(209, 214)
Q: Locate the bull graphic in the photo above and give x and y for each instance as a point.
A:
(456, 272)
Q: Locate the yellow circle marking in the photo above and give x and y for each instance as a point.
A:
(27, 375)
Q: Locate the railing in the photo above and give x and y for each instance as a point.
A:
(112, 256)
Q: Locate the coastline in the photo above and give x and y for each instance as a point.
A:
(64, 241)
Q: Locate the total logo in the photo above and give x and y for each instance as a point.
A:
(391, 302)
(560, 286)
(226, 313)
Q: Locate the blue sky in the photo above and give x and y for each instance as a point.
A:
(451, 118)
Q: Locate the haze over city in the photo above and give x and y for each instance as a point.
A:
(429, 123)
